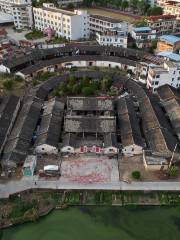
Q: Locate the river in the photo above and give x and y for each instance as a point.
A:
(101, 223)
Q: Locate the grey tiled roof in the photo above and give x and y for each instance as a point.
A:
(128, 123)
(50, 126)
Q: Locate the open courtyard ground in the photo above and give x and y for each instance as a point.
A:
(129, 164)
(85, 169)
(110, 13)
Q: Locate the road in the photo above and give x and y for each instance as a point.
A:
(12, 187)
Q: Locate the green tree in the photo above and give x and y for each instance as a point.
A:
(173, 171)
(142, 6)
(85, 81)
(155, 11)
(154, 44)
(88, 91)
(133, 4)
(76, 89)
(70, 6)
(141, 22)
(124, 5)
(106, 83)
(8, 85)
(136, 175)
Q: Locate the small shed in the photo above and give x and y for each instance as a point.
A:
(29, 165)
(154, 163)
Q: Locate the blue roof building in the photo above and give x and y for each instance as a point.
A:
(170, 39)
(170, 56)
(168, 43)
(142, 29)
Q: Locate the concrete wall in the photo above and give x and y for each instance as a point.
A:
(132, 150)
(46, 149)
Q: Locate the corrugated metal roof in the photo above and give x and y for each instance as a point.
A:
(141, 29)
(172, 56)
(169, 38)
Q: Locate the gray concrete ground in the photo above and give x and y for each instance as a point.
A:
(17, 36)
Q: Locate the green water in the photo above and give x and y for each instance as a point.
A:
(101, 223)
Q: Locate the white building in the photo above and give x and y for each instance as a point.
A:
(114, 37)
(161, 3)
(5, 6)
(109, 31)
(168, 73)
(172, 7)
(143, 36)
(21, 10)
(71, 25)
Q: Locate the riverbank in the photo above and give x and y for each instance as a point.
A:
(102, 223)
(31, 205)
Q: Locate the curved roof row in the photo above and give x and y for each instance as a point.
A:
(37, 55)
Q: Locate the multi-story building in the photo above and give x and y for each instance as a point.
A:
(5, 6)
(172, 7)
(168, 43)
(164, 24)
(161, 3)
(152, 2)
(71, 25)
(143, 36)
(66, 2)
(23, 17)
(21, 10)
(109, 31)
(167, 73)
(100, 24)
(113, 37)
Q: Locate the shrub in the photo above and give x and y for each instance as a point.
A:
(18, 79)
(8, 84)
(88, 91)
(35, 34)
(136, 175)
(172, 171)
(35, 82)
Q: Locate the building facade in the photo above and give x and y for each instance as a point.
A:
(21, 10)
(164, 24)
(158, 75)
(161, 3)
(143, 36)
(168, 43)
(172, 7)
(71, 25)
(108, 31)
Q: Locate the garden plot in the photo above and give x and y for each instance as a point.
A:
(87, 170)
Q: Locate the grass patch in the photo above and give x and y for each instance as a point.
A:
(9, 82)
(58, 40)
(35, 34)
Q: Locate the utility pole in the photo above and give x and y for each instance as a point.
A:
(170, 163)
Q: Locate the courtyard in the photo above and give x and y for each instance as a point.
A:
(89, 169)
